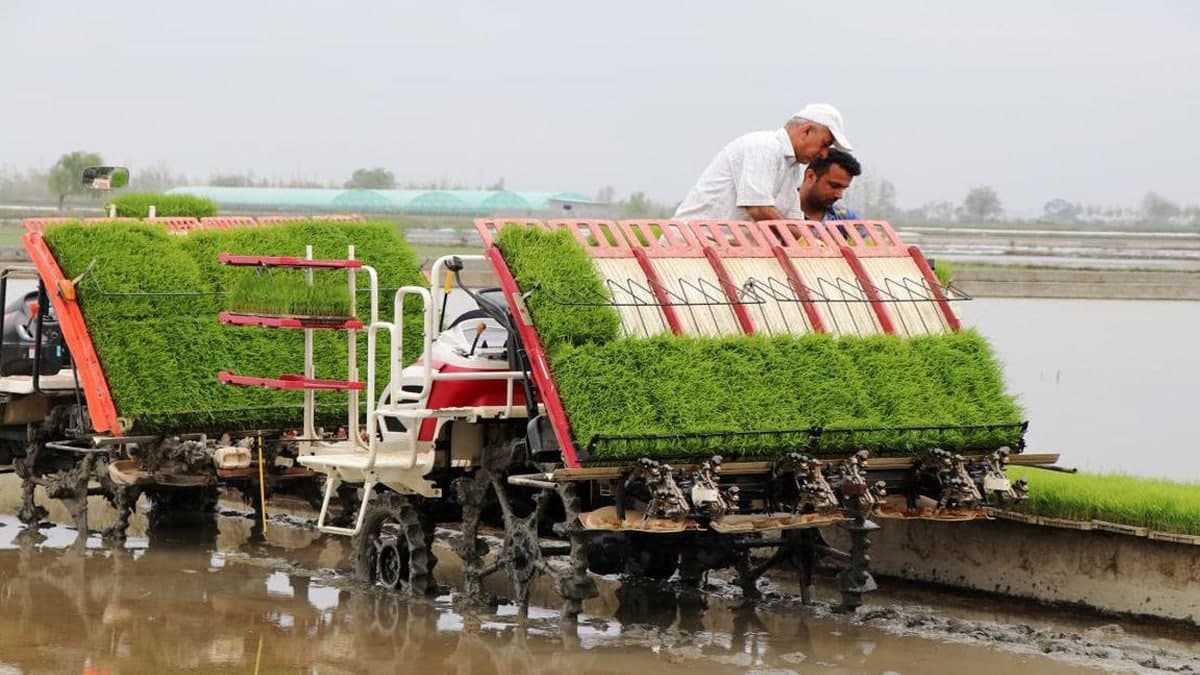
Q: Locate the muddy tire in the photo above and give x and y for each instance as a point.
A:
(394, 548)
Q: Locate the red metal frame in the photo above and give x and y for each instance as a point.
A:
(488, 228)
(935, 287)
(715, 238)
(620, 248)
(237, 319)
(275, 220)
(288, 382)
(600, 238)
(85, 361)
(39, 224)
(674, 239)
(108, 221)
(800, 238)
(538, 364)
(864, 280)
(340, 217)
(286, 261)
(770, 231)
(868, 238)
(226, 222)
(178, 225)
(677, 239)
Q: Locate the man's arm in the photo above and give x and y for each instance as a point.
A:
(764, 213)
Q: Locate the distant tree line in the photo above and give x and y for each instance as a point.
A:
(871, 196)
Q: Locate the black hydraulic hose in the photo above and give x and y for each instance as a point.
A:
(43, 300)
(3, 305)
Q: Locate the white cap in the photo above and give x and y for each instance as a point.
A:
(829, 117)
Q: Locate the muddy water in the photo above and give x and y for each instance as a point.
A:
(222, 599)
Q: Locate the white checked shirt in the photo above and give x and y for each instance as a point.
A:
(756, 169)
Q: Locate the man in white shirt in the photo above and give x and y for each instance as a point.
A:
(757, 175)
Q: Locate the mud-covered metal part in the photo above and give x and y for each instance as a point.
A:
(992, 480)
(708, 499)
(856, 578)
(124, 500)
(803, 475)
(666, 500)
(176, 455)
(859, 499)
(394, 547)
(522, 556)
(943, 477)
(576, 585)
(857, 495)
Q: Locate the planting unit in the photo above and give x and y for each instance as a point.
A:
(492, 410)
(137, 407)
(645, 397)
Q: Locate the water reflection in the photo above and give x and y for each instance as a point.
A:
(169, 603)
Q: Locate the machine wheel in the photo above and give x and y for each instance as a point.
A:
(394, 547)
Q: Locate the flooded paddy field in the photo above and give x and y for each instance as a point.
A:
(223, 598)
(227, 598)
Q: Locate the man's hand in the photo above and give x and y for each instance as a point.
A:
(764, 213)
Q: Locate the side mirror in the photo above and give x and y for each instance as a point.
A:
(105, 177)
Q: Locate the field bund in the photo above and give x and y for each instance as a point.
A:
(1105, 571)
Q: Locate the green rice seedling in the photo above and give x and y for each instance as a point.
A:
(692, 385)
(151, 303)
(567, 298)
(891, 395)
(289, 292)
(1157, 504)
(137, 205)
(944, 271)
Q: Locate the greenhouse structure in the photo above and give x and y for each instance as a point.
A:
(415, 202)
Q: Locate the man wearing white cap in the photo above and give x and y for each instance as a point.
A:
(757, 175)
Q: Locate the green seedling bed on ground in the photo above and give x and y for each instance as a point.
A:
(1157, 504)
(665, 385)
(151, 304)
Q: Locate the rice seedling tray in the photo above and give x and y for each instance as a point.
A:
(1175, 537)
(289, 382)
(1119, 528)
(1066, 523)
(149, 308)
(290, 321)
(286, 261)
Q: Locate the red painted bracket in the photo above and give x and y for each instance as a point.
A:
(717, 237)
(264, 321)
(606, 239)
(600, 238)
(868, 286)
(489, 228)
(661, 238)
(288, 382)
(85, 361)
(539, 366)
(226, 222)
(800, 238)
(868, 238)
(39, 224)
(276, 220)
(285, 261)
(935, 287)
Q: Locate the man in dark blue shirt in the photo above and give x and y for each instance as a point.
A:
(825, 179)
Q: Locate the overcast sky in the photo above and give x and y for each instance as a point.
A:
(1090, 101)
